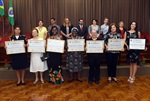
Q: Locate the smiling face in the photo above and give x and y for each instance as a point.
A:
(94, 22)
(40, 23)
(74, 33)
(113, 29)
(94, 33)
(81, 22)
(53, 21)
(54, 30)
(106, 21)
(34, 33)
(67, 20)
(121, 24)
(133, 25)
(17, 31)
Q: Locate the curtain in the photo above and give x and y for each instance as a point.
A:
(28, 12)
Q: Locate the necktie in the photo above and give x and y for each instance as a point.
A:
(81, 27)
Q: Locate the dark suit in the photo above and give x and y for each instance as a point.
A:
(82, 32)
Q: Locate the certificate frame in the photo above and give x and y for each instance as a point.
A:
(71, 45)
(115, 44)
(40, 45)
(12, 45)
(90, 44)
(58, 46)
(137, 44)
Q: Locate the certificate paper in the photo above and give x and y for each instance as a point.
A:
(54, 45)
(137, 44)
(94, 46)
(75, 45)
(15, 47)
(115, 44)
(36, 46)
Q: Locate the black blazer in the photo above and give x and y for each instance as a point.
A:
(84, 31)
(63, 29)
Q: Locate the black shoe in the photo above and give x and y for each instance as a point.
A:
(97, 82)
(18, 84)
(115, 80)
(79, 80)
(70, 80)
(90, 82)
(23, 83)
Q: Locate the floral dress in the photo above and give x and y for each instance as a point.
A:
(74, 60)
(132, 55)
(55, 66)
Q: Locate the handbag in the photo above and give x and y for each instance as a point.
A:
(45, 56)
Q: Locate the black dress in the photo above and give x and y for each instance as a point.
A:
(63, 29)
(19, 61)
(133, 56)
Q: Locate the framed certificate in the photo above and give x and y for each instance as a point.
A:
(75, 45)
(15, 47)
(54, 45)
(115, 44)
(137, 44)
(36, 46)
(94, 46)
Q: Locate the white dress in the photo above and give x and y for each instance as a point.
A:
(36, 64)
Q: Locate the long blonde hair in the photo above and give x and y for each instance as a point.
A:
(64, 23)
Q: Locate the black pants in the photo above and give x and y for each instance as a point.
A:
(112, 59)
(94, 64)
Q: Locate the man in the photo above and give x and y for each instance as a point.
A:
(83, 31)
(53, 23)
(104, 27)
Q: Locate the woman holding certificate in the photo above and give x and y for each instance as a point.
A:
(36, 64)
(74, 59)
(19, 61)
(94, 60)
(112, 56)
(55, 60)
(132, 55)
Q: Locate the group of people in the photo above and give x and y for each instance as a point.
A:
(74, 60)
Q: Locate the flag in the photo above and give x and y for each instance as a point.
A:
(11, 13)
(1, 7)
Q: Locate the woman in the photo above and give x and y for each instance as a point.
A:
(94, 26)
(42, 30)
(55, 60)
(132, 55)
(94, 60)
(66, 28)
(112, 56)
(36, 64)
(74, 59)
(121, 29)
(19, 61)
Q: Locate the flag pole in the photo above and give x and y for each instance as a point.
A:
(3, 22)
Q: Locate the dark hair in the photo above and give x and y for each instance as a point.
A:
(40, 20)
(95, 20)
(80, 19)
(53, 19)
(51, 33)
(17, 26)
(136, 28)
(110, 27)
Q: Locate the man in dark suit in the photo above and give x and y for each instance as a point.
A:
(83, 31)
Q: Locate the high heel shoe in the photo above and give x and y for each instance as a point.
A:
(132, 80)
(18, 84)
(42, 81)
(109, 80)
(35, 82)
(115, 80)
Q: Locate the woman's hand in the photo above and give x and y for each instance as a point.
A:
(145, 49)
